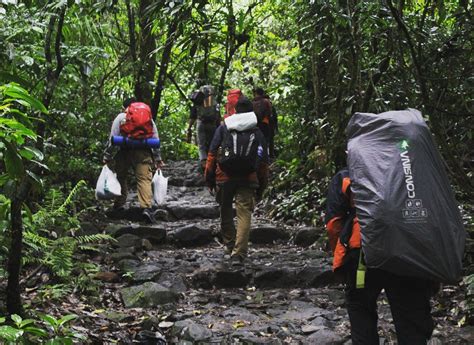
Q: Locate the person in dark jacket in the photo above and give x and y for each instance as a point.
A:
(409, 297)
(263, 110)
(243, 189)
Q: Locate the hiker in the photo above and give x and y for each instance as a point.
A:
(237, 168)
(273, 126)
(206, 113)
(142, 160)
(263, 109)
(409, 297)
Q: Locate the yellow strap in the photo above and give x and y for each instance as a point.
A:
(361, 269)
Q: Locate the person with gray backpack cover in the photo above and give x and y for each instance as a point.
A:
(405, 220)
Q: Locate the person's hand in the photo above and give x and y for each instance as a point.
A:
(159, 165)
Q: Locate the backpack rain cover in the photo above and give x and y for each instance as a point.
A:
(410, 222)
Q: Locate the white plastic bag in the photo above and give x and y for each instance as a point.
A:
(160, 187)
(108, 187)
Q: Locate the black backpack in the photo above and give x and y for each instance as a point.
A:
(240, 152)
(207, 114)
(197, 97)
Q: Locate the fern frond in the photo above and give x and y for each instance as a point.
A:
(94, 238)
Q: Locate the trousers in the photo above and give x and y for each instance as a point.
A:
(234, 238)
(409, 299)
(142, 163)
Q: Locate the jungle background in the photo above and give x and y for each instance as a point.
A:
(66, 66)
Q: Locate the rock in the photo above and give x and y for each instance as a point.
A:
(145, 273)
(202, 279)
(181, 211)
(325, 336)
(147, 295)
(118, 317)
(108, 277)
(112, 228)
(88, 228)
(307, 236)
(172, 281)
(155, 234)
(146, 245)
(275, 278)
(127, 265)
(190, 330)
(121, 256)
(166, 324)
(128, 240)
(308, 329)
(150, 337)
(267, 234)
(230, 279)
(246, 337)
(316, 276)
(191, 235)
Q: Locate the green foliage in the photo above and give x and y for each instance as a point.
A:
(50, 240)
(47, 330)
(16, 134)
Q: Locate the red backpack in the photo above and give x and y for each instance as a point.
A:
(138, 123)
(232, 99)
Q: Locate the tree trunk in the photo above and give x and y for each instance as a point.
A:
(147, 61)
(165, 59)
(14, 305)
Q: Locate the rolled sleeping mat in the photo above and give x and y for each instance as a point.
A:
(118, 140)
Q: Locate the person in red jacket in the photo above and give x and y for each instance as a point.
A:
(243, 188)
(409, 297)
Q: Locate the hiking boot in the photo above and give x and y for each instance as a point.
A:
(237, 260)
(149, 215)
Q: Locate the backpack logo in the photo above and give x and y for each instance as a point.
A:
(414, 210)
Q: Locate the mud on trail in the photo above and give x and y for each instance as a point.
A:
(170, 282)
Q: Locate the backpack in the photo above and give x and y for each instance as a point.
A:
(197, 97)
(138, 122)
(409, 220)
(208, 114)
(232, 99)
(239, 152)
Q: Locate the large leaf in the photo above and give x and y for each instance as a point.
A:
(19, 93)
(13, 162)
(9, 333)
(29, 153)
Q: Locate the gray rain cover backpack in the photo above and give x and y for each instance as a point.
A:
(410, 222)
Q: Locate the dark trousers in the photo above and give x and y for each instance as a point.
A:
(409, 300)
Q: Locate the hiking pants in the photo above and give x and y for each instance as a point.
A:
(142, 163)
(265, 129)
(237, 240)
(409, 300)
(205, 133)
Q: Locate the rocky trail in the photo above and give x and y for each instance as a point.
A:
(171, 283)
